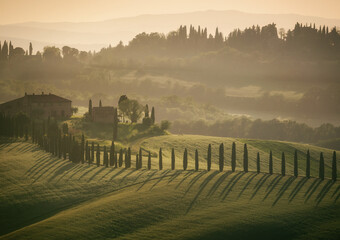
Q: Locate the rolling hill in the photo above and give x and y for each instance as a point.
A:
(43, 197)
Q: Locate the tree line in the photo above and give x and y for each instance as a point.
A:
(61, 144)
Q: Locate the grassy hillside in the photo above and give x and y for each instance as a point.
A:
(43, 197)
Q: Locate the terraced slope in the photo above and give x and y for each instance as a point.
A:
(42, 197)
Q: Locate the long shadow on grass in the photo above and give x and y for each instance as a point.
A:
(218, 182)
(284, 187)
(37, 165)
(336, 191)
(47, 168)
(324, 191)
(230, 185)
(61, 169)
(250, 178)
(163, 175)
(312, 189)
(147, 179)
(49, 162)
(201, 188)
(14, 147)
(194, 180)
(188, 174)
(175, 175)
(259, 184)
(297, 188)
(272, 186)
(96, 173)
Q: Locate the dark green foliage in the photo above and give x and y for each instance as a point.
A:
(334, 168)
(233, 157)
(153, 115)
(160, 159)
(209, 158)
(196, 161)
(149, 161)
(258, 164)
(221, 157)
(129, 157)
(90, 109)
(100, 103)
(112, 154)
(245, 158)
(147, 121)
(146, 111)
(65, 128)
(120, 161)
(270, 162)
(295, 164)
(173, 159)
(137, 161)
(140, 158)
(308, 164)
(283, 164)
(92, 152)
(185, 159)
(322, 167)
(98, 155)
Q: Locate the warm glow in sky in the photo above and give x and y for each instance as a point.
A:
(13, 11)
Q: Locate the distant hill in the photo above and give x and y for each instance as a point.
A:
(95, 35)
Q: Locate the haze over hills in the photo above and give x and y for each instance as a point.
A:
(95, 35)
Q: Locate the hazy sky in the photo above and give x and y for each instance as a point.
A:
(13, 11)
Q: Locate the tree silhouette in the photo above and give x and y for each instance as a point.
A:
(233, 157)
(98, 155)
(173, 159)
(153, 115)
(245, 158)
(221, 157)
(209, 158)
(149, 161)
(90, 109)
(185, 159)
(283, 164)
(295, 164)
(196, 160)
(270, 162)
(30, 49)
(160, 159)
(258, 163)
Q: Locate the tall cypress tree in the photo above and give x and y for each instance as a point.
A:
(322, 167)
(100, 103)
(105, 158)
(245, 158)
(196, 160)
(270, 162)
(112, 153)
(258, 163)
(146, 112)
(129, 157)
(98, 155)
(283, 164)
(173, 159)
(295, 164)
(149, 161)
(308, 164)
(153, 115)
(90, 109)
(92, 152)
(221, 157)
(126, 159)
(209, 158)
(233, 157)
(137, 162)
(185, 159)
(160, 159)
(120, 157)
(30, 49)
(334, 168)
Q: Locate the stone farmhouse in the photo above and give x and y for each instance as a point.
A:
(40, 106)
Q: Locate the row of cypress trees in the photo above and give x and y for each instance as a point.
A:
(49, 136)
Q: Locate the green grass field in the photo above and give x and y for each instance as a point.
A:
(43, 197)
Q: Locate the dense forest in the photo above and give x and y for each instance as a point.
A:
(191, 74)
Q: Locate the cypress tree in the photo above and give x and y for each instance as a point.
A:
(270, 162)
(160, 159)
(100, 103)
(209, 158)
(258, 163)
(173, 159)
(221, 157)
(196, 160)
(153, 115)
(295, 164)
(98, 155)
(146, 112)
(105, 157)
(149, 161)
(30, 49)
(140, 158)
(233, 157)
(92, 152)
(120, 157)
(185, 159)
(129, 157)
(308, 164)
(126, 159)
(112, 153)
(245, 158)
(283, 164)
(334, 168)
(137, 162)
(322, 167)
(90, 109)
